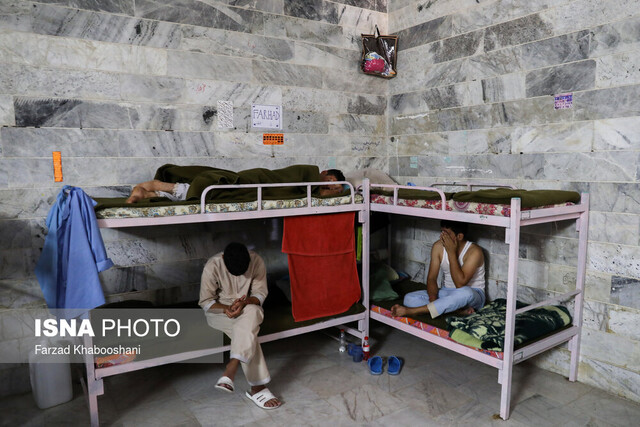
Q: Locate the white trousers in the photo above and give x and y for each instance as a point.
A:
(243, 332)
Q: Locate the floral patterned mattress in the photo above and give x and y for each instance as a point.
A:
(455, 206)
(432, 330)
(174, 210)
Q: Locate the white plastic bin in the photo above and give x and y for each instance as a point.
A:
(50, 379)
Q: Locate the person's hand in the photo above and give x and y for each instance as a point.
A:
(449, 241)
(235, 309)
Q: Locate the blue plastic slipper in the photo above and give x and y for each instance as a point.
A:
(395, 365)
(375, 365)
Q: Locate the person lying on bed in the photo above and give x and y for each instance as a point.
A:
(462, 290)
(232, 290)
(178, 191)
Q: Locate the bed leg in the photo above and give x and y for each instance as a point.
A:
(574, 344)
(504, 378)
(93, 409)
(94, 387)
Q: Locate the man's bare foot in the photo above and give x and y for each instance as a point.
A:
(271, 403)
(138, 193)
(465, 311)
(398, 310)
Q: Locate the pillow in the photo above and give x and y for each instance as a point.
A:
(380, 285)
(390, 273)
(376, 176)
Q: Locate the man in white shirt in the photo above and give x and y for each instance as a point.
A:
(232, 290)
(462, 263)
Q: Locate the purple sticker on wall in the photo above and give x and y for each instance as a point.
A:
(563, 101)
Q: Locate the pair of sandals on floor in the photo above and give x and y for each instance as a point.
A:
(260, 398)
(376, 364)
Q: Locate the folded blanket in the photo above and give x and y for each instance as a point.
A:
(485, 328)
(528, 199)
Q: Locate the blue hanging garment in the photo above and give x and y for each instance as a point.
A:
(73, 253)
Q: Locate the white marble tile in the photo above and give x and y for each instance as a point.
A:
(620, 352)
(433, 398)
(82, 54)
(614, 228)
(617, 134)
(357, 124)
(615, 37)
(587, 13)
(562, 137)
(232, 43)
(327, 382)
(323, 56)
(606, 408)
(624, 322)
(233, 409)
(504, 88)
(366, 403)
(309, 31)
(618, 70)
(208, 67)
(605, 166)
(7, 116)
(601, 255)
(540, 410)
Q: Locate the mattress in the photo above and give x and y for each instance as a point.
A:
(495, 209)
(133, 211)
(432, 329)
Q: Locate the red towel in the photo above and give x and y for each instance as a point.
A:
(322, 264)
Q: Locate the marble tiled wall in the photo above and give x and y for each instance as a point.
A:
(121, 87)
(474, 100)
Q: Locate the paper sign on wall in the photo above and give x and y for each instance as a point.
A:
(266, 116)
(273, 139)
(562, 101)
(57, 166)
(225, 114)
(413, 162)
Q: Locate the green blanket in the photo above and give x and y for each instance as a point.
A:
(200, 177)
(485, 328)
(528, 199)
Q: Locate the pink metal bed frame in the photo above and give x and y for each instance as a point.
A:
(95, 384)
(512, 226)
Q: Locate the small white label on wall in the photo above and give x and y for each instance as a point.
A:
(266, 116)
(563, 101)
(225, 114)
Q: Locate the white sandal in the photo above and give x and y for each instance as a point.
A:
(225, 381)
(262, 397)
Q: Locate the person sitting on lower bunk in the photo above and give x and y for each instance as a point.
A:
(232, 290)
(462, 263)
(178, 191)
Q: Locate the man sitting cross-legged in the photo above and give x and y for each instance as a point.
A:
(233, 288)
(462, 290)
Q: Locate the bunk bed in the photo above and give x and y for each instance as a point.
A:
(207, 211)
(511, 216)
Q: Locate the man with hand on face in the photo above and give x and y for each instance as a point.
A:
(232, 290)
(462, 263)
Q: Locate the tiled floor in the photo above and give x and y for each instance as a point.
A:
(321, 386)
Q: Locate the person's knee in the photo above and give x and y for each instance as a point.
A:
(467, 294)
(415, 299)
(254, 311)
